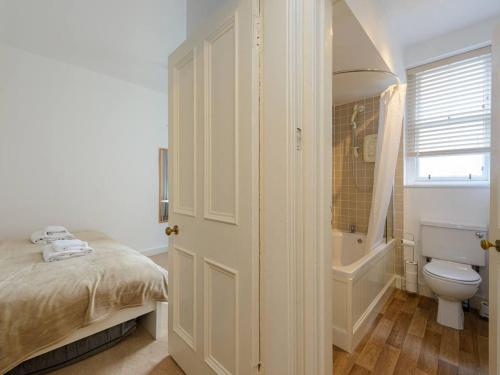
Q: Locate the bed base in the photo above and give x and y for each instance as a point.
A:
(152, 316)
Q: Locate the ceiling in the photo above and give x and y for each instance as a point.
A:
(414, 21)
(131, 39)
(127, 39)
(353, 49)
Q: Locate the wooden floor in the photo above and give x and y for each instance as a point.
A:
(406, 339)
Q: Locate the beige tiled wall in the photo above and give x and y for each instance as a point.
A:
(353, 178)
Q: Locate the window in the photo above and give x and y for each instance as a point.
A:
(448, 120)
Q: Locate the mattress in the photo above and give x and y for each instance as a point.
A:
(42, 303)
(76, 351)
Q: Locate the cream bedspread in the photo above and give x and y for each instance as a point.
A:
(42, 303)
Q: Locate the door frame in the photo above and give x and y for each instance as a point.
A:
(296, 169)
(494, 295)
(295, 101)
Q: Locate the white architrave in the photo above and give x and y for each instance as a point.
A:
(296, 187)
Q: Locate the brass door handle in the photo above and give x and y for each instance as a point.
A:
(170, 230)
(485, 244)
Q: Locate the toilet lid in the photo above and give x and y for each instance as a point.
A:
(453, 271)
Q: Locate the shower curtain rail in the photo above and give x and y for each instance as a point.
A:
(367, 71)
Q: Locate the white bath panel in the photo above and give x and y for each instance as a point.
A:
(359, 292)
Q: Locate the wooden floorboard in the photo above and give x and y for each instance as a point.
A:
(387, 360)
(406, 339)
(429, 353)
(450, 346)
(399, 330)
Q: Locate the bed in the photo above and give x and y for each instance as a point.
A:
(44, 306)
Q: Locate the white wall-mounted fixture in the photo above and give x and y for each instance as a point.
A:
(370, 148)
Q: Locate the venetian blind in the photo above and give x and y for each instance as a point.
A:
(449, 106)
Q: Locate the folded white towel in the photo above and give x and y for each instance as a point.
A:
(38, 237)
(55, 231)
(49, 255)
(51, 234)
(64, 245)
(53, 238)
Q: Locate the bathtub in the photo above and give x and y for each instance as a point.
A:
(362, 283)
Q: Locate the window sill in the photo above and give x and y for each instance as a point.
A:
(448, 185)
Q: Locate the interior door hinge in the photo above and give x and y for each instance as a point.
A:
(258, 31)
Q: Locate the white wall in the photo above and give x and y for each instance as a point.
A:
(457, 205)
(454, 205)
(79, 149)
(374, 19)
(200, 10)
(126, 39)
(475, 36)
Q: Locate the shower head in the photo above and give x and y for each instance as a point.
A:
(358, 108)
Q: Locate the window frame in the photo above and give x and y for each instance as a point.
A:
(411, 177)
(415, 179)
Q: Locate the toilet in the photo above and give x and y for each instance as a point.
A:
(453, 250)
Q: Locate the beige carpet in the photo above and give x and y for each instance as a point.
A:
(138, 354)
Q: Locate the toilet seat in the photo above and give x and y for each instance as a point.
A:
(452, 272)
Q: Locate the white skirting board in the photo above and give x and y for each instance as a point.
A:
(154, 251)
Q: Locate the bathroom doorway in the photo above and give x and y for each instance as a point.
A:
(367, 194)
(388, 314)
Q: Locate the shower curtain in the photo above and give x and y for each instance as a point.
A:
(389, 135)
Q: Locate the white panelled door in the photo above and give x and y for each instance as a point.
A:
(214, 196)
(494, 229)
